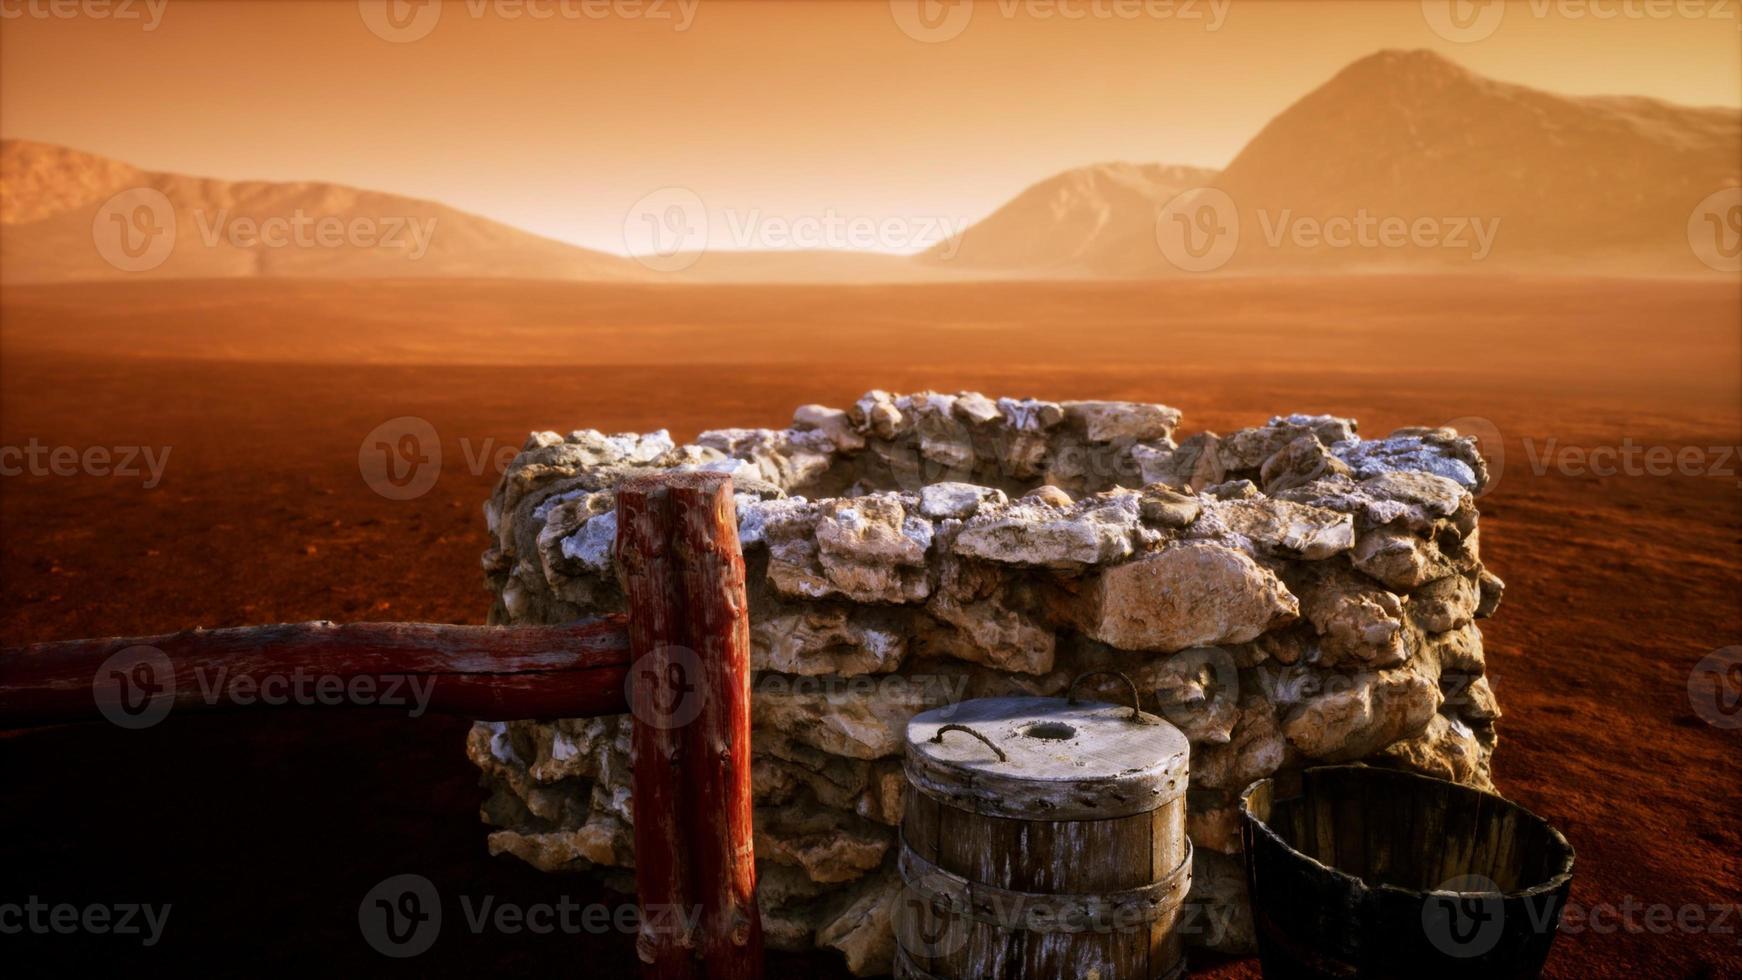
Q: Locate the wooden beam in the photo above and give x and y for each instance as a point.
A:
(717, 744)
(493, 673)
(660, 694)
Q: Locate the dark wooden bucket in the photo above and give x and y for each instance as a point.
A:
(1042, 838)
(1358, 872)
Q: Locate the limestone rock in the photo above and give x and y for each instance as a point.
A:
(1400, 558)
(1355, 715)
(836, 783)
(1195, 463)
(986, 631)
(1420, 501)
(1197, 691)
(1492, 588)
(875, 414)
(785, 458)
(1447, 748)
(973, 407)
(883, 796)
(863, 931)
(1283, 529)
(1445, 604)
(859, 721)
(868, 549)
(1355, 621)
(1033, 532)
(958, 500)
(1328, 429)
(1244, 451)
(1439, 451)
(1302, 461)
(1470, 697)
(1256, 749)
(1126, 422)
(831, 422)
(831, 846)
(1192, 594)
(1164, 507)
(826, 638)
(1456, 651)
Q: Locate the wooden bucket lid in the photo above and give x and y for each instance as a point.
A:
(1046, 758)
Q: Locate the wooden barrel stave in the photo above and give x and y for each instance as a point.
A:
(1418, 837)
(994, 891)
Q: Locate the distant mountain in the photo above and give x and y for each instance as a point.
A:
(1411, 136)
(1095, 220)
(1403, 160)
(69, 216)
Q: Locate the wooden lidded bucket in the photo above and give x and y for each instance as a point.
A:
(1042, 838)
(1358, 872)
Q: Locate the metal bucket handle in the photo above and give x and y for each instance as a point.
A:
(939, 737)
(1136, 698)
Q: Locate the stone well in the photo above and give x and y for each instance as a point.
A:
(1287, 595)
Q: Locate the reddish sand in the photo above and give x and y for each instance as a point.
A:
(265, 831)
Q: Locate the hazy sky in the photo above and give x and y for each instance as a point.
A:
(559, 116)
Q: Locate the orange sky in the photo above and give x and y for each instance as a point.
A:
(786, 111)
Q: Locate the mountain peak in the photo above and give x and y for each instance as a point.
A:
(1385, 73)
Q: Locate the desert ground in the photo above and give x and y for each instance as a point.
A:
(265, 830)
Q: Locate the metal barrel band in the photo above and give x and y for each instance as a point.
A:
(979, 799)
(907, 969)
(1066, 913)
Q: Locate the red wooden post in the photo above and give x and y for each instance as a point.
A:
(659, 701)
(494, 673)
(718, 743)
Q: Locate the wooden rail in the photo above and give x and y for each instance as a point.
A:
(492, 673)
(679, 664)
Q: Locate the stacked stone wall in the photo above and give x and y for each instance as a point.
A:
(1287, 595)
